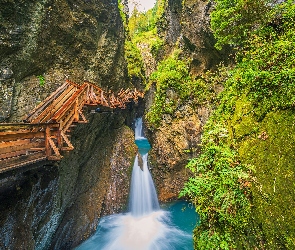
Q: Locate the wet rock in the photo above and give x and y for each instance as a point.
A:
(173, 144)
(5, 74)
(140, 161)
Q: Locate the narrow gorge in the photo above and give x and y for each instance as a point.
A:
(213, 81)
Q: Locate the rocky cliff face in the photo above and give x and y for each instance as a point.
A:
(79, 40)
(42, 43)
(56, 206)
(184, 25)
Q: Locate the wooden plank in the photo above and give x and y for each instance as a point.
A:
(70, 115)
(54, 158)
(15, 148)
(84, 120)
(20, 161)
(36, 149)
(21, 135)
(13, 154)
(13, 143)
(47, 137)
(73, 83)
(6, 127)
(55, 106)
(68, 124)
(46, 102)
(67, 140)
(68, 104)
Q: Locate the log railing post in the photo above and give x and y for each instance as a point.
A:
(47, 145)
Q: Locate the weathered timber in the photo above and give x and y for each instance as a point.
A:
(18, 147)
(44, 134)
(23, 160)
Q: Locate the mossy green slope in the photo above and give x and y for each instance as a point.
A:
(270, 147)
(253, 126)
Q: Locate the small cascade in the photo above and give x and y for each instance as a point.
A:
(143, 197)
(138, 129)
(145, 226)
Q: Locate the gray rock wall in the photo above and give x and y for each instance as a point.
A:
(80, 40)
(57, 205)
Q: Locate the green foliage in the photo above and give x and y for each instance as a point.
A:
(134, 60)
(156, 45)
(233, 21)
(175, 86)
(141, 22)
(41, 80)
(142, 30)
(261, 83)
(219, 189)
(265, 69)
(122, 14)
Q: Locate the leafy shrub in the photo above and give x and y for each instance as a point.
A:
(219, 190)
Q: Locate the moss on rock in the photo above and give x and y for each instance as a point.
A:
(271, 149)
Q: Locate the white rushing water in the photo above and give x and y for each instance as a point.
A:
(139, 130)
(145, 226)
(143, 197)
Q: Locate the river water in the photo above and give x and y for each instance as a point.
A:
(147, 225)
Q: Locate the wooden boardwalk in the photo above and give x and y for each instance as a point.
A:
(44, 133)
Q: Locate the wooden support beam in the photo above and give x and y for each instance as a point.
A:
(23, 160)
(70, 146)
(13, 154)
(55, 149)
(13, 143)
(68, 103)
(84, 120)
(16, 135)
(45, 103)
(57, 104)
(47, 145)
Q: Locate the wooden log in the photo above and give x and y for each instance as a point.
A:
(36, 149)
(67, 140)
(19, 147)
(54, 158)
(55, 149)
(13, 143)
(12, 136)
(13, 154)
(84, 120)
(22, 160)
(55, 106)
(73, 83)
(8, 127)
(46, 102)
(69, 116)
(68, 124)
(47, 135)
(69, 102)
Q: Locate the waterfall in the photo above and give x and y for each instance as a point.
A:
(145, 226)
(143, 197)
(138, 129)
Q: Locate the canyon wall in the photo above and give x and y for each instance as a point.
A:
(184, 25)
(56, 205)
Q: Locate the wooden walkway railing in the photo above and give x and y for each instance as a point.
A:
(44, 133)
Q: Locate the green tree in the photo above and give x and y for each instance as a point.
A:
(233, 21)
